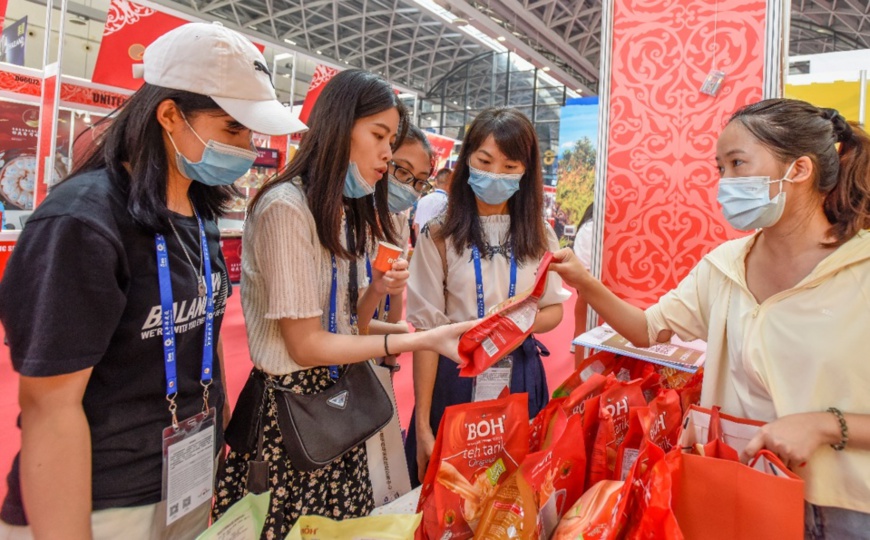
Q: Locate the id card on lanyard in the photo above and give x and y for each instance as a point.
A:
(189, 444)
(490, 384)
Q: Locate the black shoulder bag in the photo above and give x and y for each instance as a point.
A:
(319, 428)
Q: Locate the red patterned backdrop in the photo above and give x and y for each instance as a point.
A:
(661, 211)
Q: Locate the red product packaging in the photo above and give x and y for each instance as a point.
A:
(600, 363)
(558, 473)
(477, 448)
(504, 329)
(665, 418)
(541, 425)
(511, 514)
(614, 408)
(591, 517)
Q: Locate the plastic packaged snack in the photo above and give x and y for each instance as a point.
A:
(614, 407)
(503, 329)
(591, 516)
(477, 447)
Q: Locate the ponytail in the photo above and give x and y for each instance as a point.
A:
(791, 128)
(847, 205)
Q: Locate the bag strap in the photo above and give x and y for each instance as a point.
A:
(353, 278)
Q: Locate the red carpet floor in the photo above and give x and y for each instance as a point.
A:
(238, 364)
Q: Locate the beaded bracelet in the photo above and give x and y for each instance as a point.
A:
(844, 429)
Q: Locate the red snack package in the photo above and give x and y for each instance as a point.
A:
(504, 329)
(629, 449)
(591, 516)
(511, 513)
(690, 394)
(600, 363)
(557, 474)
(648, 512)
(541, 425)
(614, 408)
(665, 418)
(477, 447)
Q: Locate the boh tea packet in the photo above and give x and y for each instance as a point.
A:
(478, 446)
(503, 329)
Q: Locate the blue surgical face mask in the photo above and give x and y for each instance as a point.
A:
(401, 196)
(221, 164)
(746, 201)
(355, 186)
(493, 188)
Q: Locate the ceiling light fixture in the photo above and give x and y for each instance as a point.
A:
(290, 41)
(501, 38)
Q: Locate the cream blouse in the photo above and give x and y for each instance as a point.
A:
(433, 302)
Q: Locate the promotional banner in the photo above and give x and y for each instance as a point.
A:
(12, 43)
(441, 148)
(578, 148)
(19, 125)
(322, 75)
(129, 29)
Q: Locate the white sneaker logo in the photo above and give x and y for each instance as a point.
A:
(339, 401)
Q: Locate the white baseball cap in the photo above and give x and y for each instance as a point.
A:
(214, 61)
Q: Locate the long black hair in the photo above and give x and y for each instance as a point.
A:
(134, 137)
(839, 150)
(324, 156)
(516, 138)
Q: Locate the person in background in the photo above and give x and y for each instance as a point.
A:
(486, 246)
(113, 299)
(433, 204)
(307, 234)
(583, 251)
(785, 310)
(408, 178)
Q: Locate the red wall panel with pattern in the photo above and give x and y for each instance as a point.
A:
(661, 211)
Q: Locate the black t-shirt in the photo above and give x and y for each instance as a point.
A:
(81, 291)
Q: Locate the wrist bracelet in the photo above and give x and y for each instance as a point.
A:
(386, 348)
(844, 429)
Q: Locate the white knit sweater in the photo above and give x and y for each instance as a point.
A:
(286, 273)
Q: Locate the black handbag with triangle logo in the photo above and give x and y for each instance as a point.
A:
(319, 428)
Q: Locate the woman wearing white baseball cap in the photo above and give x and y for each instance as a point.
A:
(113, 300)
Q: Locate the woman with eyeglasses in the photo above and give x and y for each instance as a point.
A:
(408, 176)
(482, 251)
(306, 315)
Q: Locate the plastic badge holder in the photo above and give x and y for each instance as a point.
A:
(713, 82)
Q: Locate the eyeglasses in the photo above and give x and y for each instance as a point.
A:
(405, 176)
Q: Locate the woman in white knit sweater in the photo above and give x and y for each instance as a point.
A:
(305, 237)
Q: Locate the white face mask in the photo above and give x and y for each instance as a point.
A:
(746, 201)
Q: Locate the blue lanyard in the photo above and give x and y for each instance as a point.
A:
(386, 300)
(478, 278)
(168, 317)
(333, 308)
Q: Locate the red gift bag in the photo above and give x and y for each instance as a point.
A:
(715, 497)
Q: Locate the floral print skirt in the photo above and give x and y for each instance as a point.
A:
(339, 490)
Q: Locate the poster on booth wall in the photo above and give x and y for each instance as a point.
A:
(19, 126)
(12, 43)
(575, 184)
(322, 75)
(129, 29)
(441, 148)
